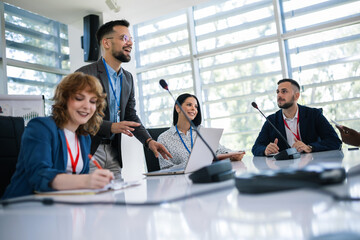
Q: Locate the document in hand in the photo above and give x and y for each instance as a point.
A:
(113, 186)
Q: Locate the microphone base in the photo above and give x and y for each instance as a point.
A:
(216, 172)
(287, 154)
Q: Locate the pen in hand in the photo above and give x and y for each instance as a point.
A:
(98, 165)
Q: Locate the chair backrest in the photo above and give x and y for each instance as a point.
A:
(11, 130)
(152, 162)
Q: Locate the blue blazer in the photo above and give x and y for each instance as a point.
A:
(43, 155)
(315, 131)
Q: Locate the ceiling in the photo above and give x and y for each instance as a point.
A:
(71, 11)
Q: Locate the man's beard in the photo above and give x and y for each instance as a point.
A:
(288, 104)
(121, 57)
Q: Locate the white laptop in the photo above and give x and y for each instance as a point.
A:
(200, 155)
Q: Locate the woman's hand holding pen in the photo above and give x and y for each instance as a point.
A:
(99, 178)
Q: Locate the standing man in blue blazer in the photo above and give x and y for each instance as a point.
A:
(116, 43)
(305, 129)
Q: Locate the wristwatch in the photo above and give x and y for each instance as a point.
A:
(310, 147)
(147, 142)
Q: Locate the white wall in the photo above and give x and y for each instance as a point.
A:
(75, 32)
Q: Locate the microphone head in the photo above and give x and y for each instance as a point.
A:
(163, 84)
(254, 105)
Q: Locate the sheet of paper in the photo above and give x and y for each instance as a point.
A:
(113, 186)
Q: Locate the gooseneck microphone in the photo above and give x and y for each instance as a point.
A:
(278, 132)
(289, 153)
(164, 85)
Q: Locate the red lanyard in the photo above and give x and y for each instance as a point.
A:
(297, 135)
(73, 163)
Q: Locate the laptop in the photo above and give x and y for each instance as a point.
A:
(200, 155)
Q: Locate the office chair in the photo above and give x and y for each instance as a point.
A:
(11, 130)
(152, 162)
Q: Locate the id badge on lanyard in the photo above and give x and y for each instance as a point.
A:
(118, 115)
(113, 91)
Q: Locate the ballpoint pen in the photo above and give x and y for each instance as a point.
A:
(94, 161)
(99, 167)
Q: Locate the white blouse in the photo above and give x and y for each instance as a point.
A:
(171, 140)
(70, 136)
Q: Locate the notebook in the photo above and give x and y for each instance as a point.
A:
(200, 155)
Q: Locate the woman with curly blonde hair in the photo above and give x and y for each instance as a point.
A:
(54, 150)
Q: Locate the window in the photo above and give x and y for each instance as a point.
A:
(323, 51)
(327, 66)
(232, 52)
(232, 22)
(37, 53)
(162, 51)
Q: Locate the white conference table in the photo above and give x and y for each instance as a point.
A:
(222, 213)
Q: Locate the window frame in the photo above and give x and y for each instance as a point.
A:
(26, 65)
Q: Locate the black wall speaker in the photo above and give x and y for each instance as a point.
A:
(88, 41)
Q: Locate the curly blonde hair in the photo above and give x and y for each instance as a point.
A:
(67, 88)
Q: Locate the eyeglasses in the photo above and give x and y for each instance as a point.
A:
(124, 38)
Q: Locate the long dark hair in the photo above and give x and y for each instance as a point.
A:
(181, 99)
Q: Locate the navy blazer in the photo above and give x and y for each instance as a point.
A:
(127, 107)
(315, 131)
(43, 155)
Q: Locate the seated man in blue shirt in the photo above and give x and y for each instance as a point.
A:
(305, 129)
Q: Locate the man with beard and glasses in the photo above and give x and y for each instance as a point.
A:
(116, 43)
(305, 129)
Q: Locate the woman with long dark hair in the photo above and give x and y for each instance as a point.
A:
(179, 139)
